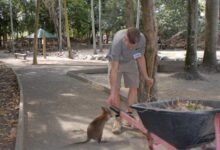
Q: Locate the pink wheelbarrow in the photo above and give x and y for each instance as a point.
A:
(176, 130)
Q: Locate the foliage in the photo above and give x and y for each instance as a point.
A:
(79, 17)
(189, 106)
(171, 16)
(113, 15)
(5, 17)
(23, 17)
(28, 14)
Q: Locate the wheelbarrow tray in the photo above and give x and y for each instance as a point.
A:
(182, 129)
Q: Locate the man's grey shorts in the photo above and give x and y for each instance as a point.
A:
(130, 76)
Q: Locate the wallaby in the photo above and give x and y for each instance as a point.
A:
(96, 127)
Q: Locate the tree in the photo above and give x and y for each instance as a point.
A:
(52, 7)
(100, 26)
(113, 16)
(67, 31)
(138, 14)
(35, 48)
(60, 39)
(93, 26)
(129, 13)
(4, 22)
(171, 16)
(12, 26)
(211, 34)
(150, 32)
(191, 68)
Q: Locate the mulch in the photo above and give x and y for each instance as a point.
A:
(9, 107)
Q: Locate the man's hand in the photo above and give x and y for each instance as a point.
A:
(142, 65)
(150, 82)
(112, 99)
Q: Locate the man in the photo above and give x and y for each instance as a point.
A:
(127, 51)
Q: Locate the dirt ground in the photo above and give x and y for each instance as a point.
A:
(172, 88)
(169, 87)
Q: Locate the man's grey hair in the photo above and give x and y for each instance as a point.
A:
(133, 35)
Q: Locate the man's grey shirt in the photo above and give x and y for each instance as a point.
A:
(126, 57)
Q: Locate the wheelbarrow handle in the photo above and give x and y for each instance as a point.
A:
(115, 109)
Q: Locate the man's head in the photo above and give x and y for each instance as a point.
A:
(132, 37)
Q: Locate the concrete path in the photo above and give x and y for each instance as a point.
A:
(59, 108)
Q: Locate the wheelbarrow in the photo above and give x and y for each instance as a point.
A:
(176, 130)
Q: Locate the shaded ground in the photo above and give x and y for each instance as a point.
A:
(9, 102)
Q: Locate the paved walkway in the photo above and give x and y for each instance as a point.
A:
(58, 109)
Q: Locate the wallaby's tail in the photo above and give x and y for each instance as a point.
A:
(69, 145)
(87, 140)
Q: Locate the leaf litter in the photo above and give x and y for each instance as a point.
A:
(9, 107)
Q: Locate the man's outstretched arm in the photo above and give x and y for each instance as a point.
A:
(113, 78)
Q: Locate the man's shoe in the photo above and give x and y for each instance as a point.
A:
(126, 124)
(116, 129)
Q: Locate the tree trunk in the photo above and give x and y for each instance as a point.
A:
(138, 14)
(60, 27)
(150, 32)
(67, 31)
(37, 8)
(191, 54)
(100, 26)
(93, 27)
(219, 11)
(44, 46)
(129, 15)
(211, 33)
(5, 39)
(12, 27)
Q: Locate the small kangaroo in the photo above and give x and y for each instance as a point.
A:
(96, 127)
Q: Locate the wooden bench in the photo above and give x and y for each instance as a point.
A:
(20, 55)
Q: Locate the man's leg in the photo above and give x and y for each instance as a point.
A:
(132, 97)
(116, 129)
(118, 101)
(131, 81)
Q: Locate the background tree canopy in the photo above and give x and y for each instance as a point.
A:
(171, 17)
